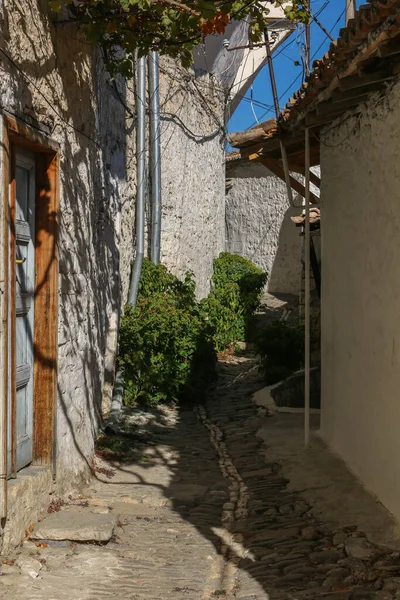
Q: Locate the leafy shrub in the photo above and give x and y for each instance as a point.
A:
(156, 279)
(236, 289)
(281, 347)
(166, 346)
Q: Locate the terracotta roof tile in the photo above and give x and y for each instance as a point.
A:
(362, 33)
(360, 62)
(315, 217)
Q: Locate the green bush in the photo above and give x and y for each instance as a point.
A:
(166, 346)
(236, 289)
(281, 347)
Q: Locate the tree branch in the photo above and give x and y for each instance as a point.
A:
(179, 5)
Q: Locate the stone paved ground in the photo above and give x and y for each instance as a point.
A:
(202, 516)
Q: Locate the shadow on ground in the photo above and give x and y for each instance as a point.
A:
(209, 466)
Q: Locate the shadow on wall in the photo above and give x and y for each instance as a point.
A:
(285, 275)
(258, 225)
(75, 106)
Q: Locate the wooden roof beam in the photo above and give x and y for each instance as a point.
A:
(276, 169)
(314, 120)
(362, 80)
(355, 93)
(315, 180)
(389, 48)
(326, 108)
(270, 144)
(297, 158)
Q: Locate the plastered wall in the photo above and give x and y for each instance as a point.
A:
(361, 294)
(55, 80)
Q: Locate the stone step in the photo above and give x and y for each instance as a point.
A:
(76, 527)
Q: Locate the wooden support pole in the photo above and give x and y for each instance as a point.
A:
(287, 178)
(307, 296)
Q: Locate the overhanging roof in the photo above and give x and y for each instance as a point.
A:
(363, 60)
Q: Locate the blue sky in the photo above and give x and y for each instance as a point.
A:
(285, 70)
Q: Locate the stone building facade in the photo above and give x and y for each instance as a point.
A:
(258, 224)
(193, 172)
(60, 115)
(67, 240)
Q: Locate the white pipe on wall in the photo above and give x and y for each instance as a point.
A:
(155, 156)
(4, 348)
(307, 295)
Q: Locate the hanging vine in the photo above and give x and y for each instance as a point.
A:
(173, 27)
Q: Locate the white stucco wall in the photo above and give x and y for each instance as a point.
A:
(193, 172)
(258, 225)
(361, 295)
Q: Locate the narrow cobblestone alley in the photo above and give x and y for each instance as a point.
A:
(202, 516)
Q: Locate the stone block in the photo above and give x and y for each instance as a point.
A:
(77, 527)
(28, 566)
(359, 547)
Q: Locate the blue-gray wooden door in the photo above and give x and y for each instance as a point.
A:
(24, 310)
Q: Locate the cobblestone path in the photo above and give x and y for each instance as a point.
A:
(203, 516)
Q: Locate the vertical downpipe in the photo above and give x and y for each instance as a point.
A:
(155, 156)
(116, 404)
(307, 266)
(4, 348)
(307, 296)
(141, 175)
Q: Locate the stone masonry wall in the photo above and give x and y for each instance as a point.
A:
(61, 87)
(193, 172)
(258, 225)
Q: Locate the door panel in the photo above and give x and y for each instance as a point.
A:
(24, 227)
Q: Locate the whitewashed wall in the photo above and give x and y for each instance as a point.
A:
(361, 295)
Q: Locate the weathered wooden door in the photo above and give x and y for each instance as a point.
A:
(22, 321)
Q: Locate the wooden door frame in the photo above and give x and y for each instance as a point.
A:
(18, 134)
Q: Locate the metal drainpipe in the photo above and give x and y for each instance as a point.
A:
(307, 296)
(141, 175)
(155, 156)
(116, 404)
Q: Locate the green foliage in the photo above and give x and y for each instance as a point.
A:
(173, 27)
(281, 347)
(165, 344)
(222, 310)
(236, 290)
(156, 279)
